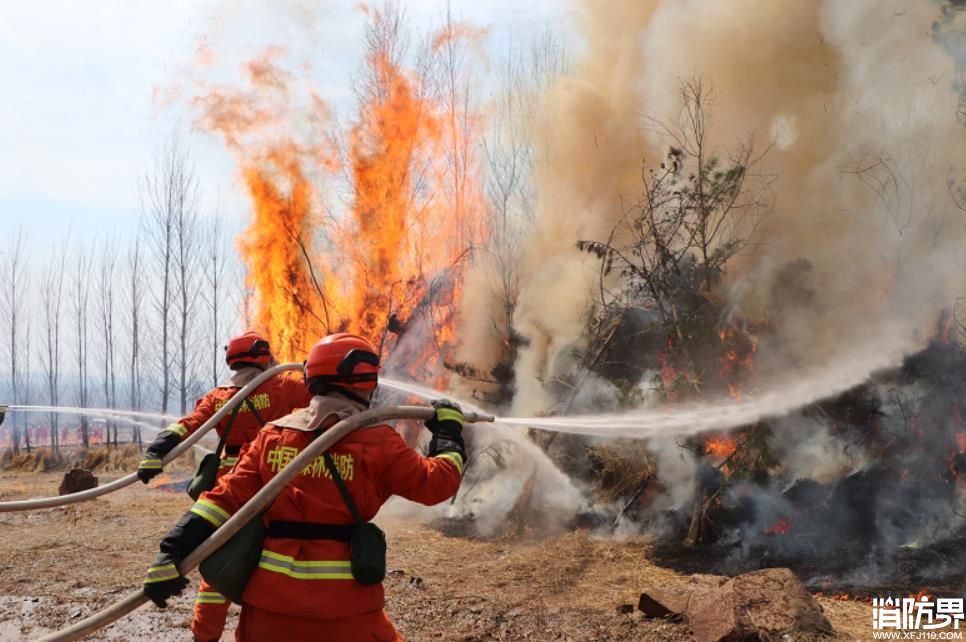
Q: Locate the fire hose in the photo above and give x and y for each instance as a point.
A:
(253, 508)
(127, 480)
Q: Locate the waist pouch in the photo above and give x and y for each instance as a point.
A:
(205, 475)
(367, 545)
(227, 569)
(368, 554)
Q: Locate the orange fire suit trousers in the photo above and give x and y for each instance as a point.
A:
(211, 610)
(259, 625)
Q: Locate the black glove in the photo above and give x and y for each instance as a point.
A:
(447, 429)
(187, 534)
(150, 466)
(163, 580)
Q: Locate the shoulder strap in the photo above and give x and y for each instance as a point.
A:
(231, 420)
(251, 406)
(224, 435)
(346, 497)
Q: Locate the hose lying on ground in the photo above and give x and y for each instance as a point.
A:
(127, 480)
(254, 507)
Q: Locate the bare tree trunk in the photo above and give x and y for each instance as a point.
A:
(105, 305)
(13, 290)
(80, 310)
(135, 300)
(168, 200)
(51, 301)
(26, 384)
(186, 265)
(213, 294)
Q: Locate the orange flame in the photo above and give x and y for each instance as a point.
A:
(160, 480)
(736, 363)
(723, 446)
(287, 301)
(415, 213)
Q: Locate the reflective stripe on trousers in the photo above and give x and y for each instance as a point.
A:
(306, 569)
(210, 597)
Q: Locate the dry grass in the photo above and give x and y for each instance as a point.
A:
(516, 588)
(104, 459)
(621, 468)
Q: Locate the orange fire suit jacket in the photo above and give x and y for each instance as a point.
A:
(273, 399)
(312, 578)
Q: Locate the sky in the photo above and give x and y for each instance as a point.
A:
(80, 120)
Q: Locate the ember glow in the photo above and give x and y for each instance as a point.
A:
(721, 447)
(781, 527)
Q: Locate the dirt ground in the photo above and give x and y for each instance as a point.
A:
(60, 565)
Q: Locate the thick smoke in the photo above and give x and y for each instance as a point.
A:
(589, 146)
(855, 108)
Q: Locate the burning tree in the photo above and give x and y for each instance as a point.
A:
(386, 261)
(662, 263)
(658, 307)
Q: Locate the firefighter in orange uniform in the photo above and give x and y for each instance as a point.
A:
(304, 588)
(248, 355)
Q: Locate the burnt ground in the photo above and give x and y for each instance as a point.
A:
(59, 565)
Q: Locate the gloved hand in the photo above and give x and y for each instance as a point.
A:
(163, 580)
(149, 468)
(447, 429)
(448, 418)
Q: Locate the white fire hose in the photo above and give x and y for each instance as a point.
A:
(252, 509)
(127, 480)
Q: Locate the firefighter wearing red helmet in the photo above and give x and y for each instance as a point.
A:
(247, 355)
(304, 587)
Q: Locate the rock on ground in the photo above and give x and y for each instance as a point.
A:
(761, 605)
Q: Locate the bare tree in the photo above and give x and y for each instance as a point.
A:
(80, 310)
(26, 384)
(169, 196)
(214, 294)
(665, 256)
(134, 299)
(461, 126)
(51, 307)
(508, 157)
(105, 305)
(13, 290)
(186, 265)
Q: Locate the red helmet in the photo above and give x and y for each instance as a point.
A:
(250, 347)
(345, 361)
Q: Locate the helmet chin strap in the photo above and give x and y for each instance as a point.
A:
(353, 396)
(248, 364)
(326, 388)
